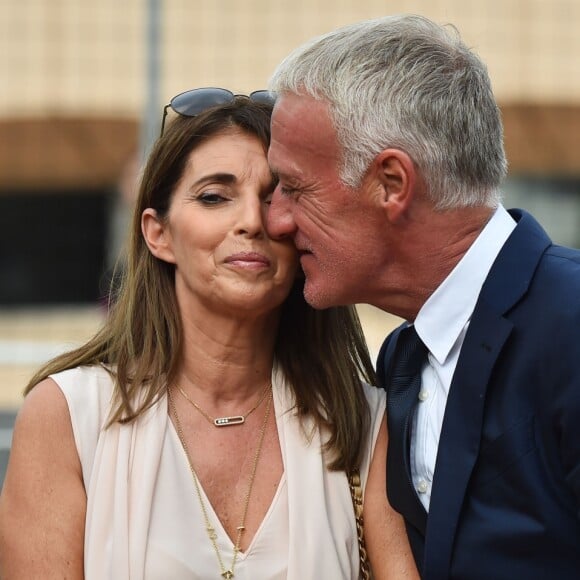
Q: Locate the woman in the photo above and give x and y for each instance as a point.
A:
(207, 429)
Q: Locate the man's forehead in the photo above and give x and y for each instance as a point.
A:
(290, 108)
(301, 126)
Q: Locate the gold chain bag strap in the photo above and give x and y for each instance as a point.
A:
(357, 502)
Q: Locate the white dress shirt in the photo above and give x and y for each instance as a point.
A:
(442, 324)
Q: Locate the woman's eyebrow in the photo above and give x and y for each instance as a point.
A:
(226, 178)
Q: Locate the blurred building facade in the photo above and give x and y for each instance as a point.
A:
(84, 83)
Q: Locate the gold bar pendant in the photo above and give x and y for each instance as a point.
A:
(227, 421)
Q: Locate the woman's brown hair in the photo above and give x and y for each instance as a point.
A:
(322, 353)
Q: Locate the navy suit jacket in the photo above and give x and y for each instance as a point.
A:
(505, 500)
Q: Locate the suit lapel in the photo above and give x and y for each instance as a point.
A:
(459, 443)
(461, 434)
(385, 356)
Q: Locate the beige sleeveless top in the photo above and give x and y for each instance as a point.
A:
(144, 520)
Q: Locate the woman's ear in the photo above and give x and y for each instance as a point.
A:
(157, 236)
(398, 178)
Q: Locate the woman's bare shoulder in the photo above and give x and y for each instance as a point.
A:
(43, 502)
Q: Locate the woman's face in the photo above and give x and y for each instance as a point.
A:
(214, 232)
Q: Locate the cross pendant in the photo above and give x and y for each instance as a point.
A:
(228, 574)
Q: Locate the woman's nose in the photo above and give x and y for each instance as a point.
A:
(251, 220)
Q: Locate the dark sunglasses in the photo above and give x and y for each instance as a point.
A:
(196, 101)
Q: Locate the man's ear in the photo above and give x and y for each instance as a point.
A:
(156, 235)
(398, 178)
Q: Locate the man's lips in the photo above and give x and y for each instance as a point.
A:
(304, 257)
(303, 246)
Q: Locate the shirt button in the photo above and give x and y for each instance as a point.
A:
(422, 486)
(423, 395)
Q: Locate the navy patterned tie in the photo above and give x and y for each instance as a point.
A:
(403, 385)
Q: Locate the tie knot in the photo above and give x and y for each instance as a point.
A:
(410, 353)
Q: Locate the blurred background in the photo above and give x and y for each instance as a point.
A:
(83, 85)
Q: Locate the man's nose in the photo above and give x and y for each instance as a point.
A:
(280, 220)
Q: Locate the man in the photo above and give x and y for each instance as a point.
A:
(388, 145)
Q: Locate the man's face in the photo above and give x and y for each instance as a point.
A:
(333, 226)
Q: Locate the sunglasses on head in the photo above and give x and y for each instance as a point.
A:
(196, 101)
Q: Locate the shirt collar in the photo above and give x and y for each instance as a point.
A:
(447, 311)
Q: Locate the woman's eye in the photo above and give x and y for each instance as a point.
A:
(211, 198)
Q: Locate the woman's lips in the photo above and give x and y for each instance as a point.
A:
(248, 260)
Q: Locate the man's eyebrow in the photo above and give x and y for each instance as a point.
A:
(281, 175)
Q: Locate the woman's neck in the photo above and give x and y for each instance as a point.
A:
(226, 360)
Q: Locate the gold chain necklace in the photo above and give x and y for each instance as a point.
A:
(226, 421)
(227, 574)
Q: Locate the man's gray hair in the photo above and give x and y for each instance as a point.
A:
(405, 82)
